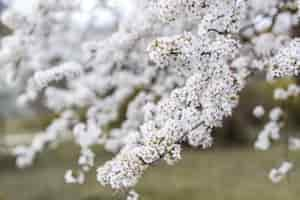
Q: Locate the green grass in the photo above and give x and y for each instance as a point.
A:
(220, 174)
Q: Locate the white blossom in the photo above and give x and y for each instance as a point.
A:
(259, 111)
(294, 144)
(132, 195)
(56, 132)
(173, 155)
(70, 178)
(275, 114)
(280, 94)
(276, 175)
(86, 159)
(271, 130)
(286, 62)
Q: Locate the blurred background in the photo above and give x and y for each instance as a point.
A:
(231, 170)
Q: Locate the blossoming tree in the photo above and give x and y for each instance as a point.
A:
(162, 74)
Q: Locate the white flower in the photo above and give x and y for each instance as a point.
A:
(132, 195)
(87, 135)
(86, 159)
(259, 111)
(293, 90)
(286, 62)
(294, 144)
(122, 172)
(275, 114)
(263, 23)
(68, 70)
(276, 175)
(171, 10)
(263, 142)
(283, 23)
(71, 179)
(148, 154)
(280, 94)
(200, 137)
(173, 155)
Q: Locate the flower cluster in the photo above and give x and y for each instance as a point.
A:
(293, 90)
(286, 62)
(271, 130)
(259, 111)
(276, 175)
(57, 131)
(189, 113)
(294, 143)
(72, 179)
(171, 10)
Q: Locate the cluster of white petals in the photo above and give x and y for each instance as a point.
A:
(271, 130)
(294, 144)
(293, 90)
(56, 132)
(276, 175)
(258, 111)
(189, 113)
(286, 63)
(132, 195)
(74, 179)
(171, 10)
